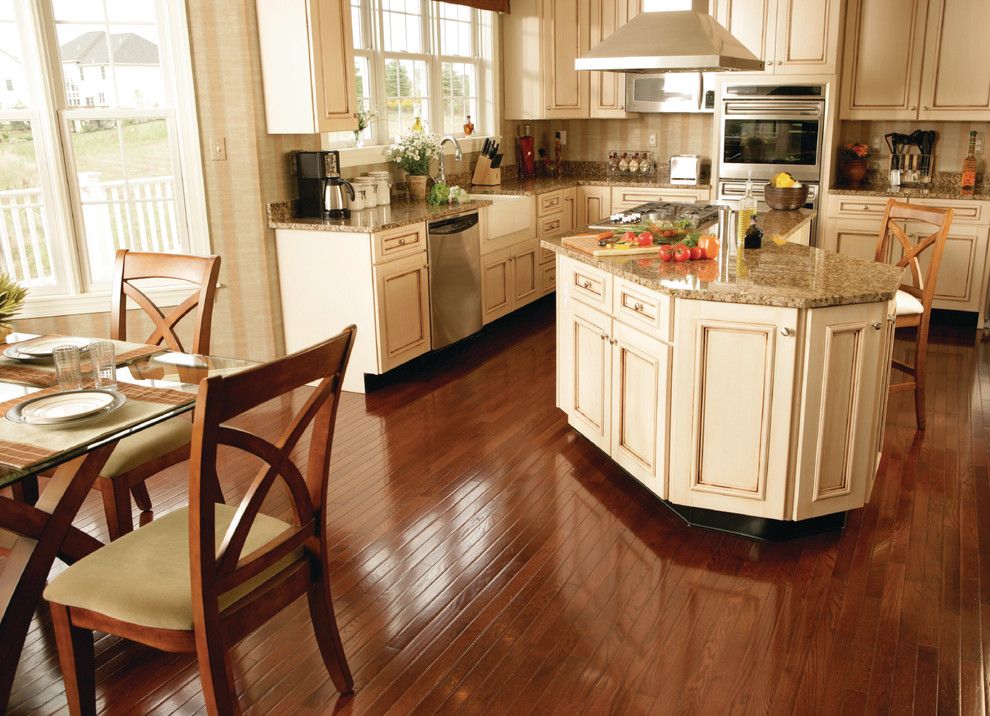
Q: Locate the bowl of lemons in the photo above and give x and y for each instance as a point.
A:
(784, 193)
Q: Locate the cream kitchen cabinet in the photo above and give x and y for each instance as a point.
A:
(402, 310)
(593, 203)
(731, 411)
(790, 36)
(626, 197)
(852, 237)
(307, 65)
(510, 278)
(541, 40)
(556, 215)
(608, 89)
(613, 383)
(961, 275)
(916, 59)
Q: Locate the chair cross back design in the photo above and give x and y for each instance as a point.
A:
(237, 567)
(133, 266)
(914, 300)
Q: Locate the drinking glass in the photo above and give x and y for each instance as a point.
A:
(104, 364)
(68, 368)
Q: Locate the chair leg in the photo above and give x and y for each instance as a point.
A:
(141, 496)
(75, 656)
(921, 355)
(327, 635)
(116, 506)
(216, 676)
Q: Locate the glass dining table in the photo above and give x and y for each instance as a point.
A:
(36, 529)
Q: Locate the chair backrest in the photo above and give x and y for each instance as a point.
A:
(221, 398)
(936, 220)
(199, 270)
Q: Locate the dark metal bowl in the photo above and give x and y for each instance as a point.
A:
(785, 199)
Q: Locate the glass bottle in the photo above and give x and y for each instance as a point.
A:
(968, 183)
(746, 212)
(468, 126)
(623, 163)
(417, 125)
(634, 162)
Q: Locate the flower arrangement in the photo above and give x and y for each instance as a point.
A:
(856, 151)
(365, 117)
(12, 296)
(414, 152)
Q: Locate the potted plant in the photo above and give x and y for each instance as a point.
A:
(12, 296)
(413, 153)
(364, 119)
(853, 164)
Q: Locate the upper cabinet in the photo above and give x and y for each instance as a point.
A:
(791, 36)
(608, 89)
(307, 63)
(542, 39)
(916, 59)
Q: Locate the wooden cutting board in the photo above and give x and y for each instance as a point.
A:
(588, 244)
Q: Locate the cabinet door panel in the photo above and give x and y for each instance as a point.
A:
(525, 273)
(960, 274)
(402, 310)
(640, 403)
(733, 386)
(807, 36)
(751, 22)
(837, 451)
(882, 59)
(956, 76)
(334, 64)
(496, 285)
(608, 89)
(594, 203)
(857, 239)
(566, 37)
(585, 371)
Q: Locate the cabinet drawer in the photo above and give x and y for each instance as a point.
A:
(587, 284)
(642, 308)
(548, 278)
(549, 202)
(857, 206)
(964, 211)
(546, 255)
(625, 197)
(402, 241)
(551, 225)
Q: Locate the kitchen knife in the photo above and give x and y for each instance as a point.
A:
(495, 147)
(496, 161)
(485, 146)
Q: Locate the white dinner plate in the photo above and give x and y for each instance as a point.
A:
(65, 407)
(43, 347)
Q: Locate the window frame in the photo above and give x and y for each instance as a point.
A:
(74, 294)
(487, 72)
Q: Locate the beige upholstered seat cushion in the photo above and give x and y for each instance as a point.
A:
(143, 577)
(148, 444)
(907, 305)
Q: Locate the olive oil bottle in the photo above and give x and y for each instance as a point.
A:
(746, 213)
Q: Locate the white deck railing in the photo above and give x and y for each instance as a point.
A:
(139, 215)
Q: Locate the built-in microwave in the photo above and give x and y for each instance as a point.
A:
(670, 92)
(765, 129)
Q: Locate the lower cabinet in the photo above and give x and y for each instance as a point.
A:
(732, 395)
(593, 204)
(510, 278)
(613, 383)
(402, 310)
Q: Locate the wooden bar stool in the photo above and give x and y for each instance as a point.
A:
(202, 578)
(914, 300)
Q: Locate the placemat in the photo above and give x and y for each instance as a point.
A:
(42, 374)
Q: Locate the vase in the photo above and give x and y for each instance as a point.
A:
(853, 172)
(417, 187)
(358, 139)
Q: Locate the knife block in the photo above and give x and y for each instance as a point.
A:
(484, 175)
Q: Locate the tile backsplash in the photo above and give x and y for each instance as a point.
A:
(953, 139)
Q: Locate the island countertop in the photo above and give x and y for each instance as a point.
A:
(779, 274)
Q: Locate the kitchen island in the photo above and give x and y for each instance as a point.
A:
(748, 392)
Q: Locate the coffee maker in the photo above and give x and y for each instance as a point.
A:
(323, 194)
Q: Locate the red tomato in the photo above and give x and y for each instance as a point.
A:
(666, 252)
(681, 253)
(629, 237)
(645, 239)
(697, 253)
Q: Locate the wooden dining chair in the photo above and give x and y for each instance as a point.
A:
(201, 578)
(150, 451)
(914, 299)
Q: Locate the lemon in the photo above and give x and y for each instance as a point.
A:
(782, 180)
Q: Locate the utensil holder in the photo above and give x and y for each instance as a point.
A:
(484, 175)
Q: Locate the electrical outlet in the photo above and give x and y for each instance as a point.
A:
(979, 144)
(651, 139)
(563, 137)
(218, 149)
(875, 143)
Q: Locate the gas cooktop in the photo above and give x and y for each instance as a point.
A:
(657, 212)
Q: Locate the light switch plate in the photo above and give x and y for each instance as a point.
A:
(218, 149)
(651, 139)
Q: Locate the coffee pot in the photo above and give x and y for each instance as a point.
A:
(338, 198)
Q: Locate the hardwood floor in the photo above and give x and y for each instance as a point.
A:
(488, 560)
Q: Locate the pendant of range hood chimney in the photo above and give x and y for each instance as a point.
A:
(671, 41)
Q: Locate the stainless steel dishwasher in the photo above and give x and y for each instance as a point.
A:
(454, 250)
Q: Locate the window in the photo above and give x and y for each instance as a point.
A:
(421, 58)
(10, 85)
(98, 164)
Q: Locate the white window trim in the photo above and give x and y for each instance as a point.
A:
(377, 153)
(79, 300)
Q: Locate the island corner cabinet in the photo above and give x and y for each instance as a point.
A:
(749, 393)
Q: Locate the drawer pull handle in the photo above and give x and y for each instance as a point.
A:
(638, 307)
(586, 284)
(402, 242)
(877, 325)
(785, 331)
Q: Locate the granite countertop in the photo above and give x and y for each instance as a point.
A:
(544, 184)
(982, 192)
(369, 221)
(779, 274)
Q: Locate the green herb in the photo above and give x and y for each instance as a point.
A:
(439, 195)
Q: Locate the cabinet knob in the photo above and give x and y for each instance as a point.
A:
(780, 62)
(547, 108)
(612, 341)
(604, 336)
(638, 307)
(785, 331)
(925, 108)
(877, 325)
(913, 109)
(586, 284)
(402, 242)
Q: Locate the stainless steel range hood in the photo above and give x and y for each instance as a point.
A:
(678, 41)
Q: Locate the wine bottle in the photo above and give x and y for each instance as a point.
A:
(968, 183)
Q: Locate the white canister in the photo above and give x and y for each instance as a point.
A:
(360, 197)
(370, 190)
(383, 185)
